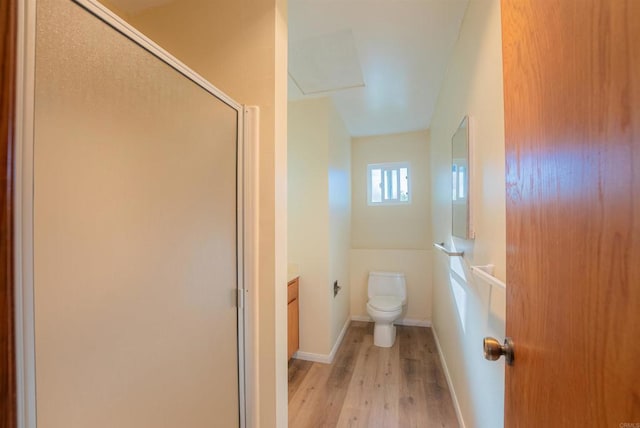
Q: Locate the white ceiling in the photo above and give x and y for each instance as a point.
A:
(403, 47)
(326, 63)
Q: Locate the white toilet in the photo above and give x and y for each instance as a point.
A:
(387, 300)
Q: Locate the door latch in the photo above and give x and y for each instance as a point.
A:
(494, 350)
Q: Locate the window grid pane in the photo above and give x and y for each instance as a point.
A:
(394, 184)
(388, 184)
(376, 185)
(454, 176)
(404, 184)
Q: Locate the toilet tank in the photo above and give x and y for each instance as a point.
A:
(387, 284)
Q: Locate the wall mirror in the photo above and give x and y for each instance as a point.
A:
(461, 210)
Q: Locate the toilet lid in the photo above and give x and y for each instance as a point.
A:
(386, 303)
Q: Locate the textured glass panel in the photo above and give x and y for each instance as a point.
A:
(135, 235)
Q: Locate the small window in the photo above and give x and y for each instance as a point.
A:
(388, 184)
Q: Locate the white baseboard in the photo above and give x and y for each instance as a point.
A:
(362, 318)
(413, 322)
(324, 358)
(336, 345)
(310, 356)
(405, 321)
(454, 397)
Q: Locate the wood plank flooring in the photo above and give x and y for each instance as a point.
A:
(366, 386)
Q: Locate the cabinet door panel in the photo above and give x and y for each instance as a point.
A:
(293, 316)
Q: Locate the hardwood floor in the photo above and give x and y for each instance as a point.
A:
(366, 386)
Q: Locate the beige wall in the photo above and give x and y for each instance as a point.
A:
(466, 310)
(339, 170)
(396, 238)
(116, 9)
(319, 220)
(241, 48)
(308, 219)
(397, 226)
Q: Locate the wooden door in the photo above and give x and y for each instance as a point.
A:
(572, 117)
(7, 117)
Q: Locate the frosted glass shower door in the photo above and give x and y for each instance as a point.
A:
(135, 252)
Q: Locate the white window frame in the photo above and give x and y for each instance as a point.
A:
(389, 166)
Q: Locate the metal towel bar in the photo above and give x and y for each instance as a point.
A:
(485, 273)
(440, 246)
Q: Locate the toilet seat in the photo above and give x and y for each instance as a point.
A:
(387, 293)
(385, 303)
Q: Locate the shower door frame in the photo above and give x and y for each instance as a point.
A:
(246, 145)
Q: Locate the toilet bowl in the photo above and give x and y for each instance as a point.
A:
(387, 299)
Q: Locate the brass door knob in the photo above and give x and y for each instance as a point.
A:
(494, 350)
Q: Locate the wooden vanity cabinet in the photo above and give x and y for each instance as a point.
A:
(293, 315)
